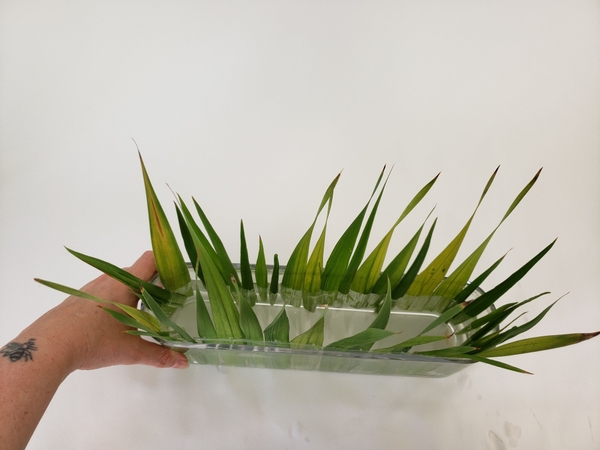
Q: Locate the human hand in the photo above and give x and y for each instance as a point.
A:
(77, 334)
(92, 338)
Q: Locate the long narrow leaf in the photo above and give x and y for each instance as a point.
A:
(395, 269)
(337, 263)
(483, 302)
(249, 322)
(260, 269)
(359, 251)
(245, 269)
(224, 312)
(496, 364)
(537, 344)
(171, 266)
(274, 284)
(407, 280)
(473, 285)
(370, 270)
(279, 329)
(225, 261)
(159, 336)
(204, 324)
(513, 332)
(404, 346)
(132, 282)
(197, 234)
(492, 317)
(493, 320)
(188, 243)
(457, 280)
(293, 277)
(430, 278)
(311, 337)
(448, 352)
(444, 318)
(367, 337)
(383, 317)
(163, 318)
(131, 322)
(312, 278)
(142, 317)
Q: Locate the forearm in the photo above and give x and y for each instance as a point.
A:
(32, 367)
(77, 334)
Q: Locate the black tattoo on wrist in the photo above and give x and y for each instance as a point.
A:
(15, 351)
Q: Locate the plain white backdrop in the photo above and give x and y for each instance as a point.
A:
(253, 108)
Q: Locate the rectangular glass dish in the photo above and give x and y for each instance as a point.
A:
(340, 322)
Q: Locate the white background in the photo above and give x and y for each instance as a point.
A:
(253, 107)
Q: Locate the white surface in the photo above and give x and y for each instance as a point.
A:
(253, 107)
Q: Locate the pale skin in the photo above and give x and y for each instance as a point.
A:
(76, 335)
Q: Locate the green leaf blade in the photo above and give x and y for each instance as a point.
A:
(279, 329)
(427, 281)
(170, 264)
(312, 337)
(487, 299)
(366, 337)
(225, 263)
(537, 344)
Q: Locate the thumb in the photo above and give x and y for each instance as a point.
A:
(162, 357)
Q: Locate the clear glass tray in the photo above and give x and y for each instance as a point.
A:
(340, 322)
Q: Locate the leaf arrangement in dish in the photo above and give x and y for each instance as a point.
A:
(349, 277)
